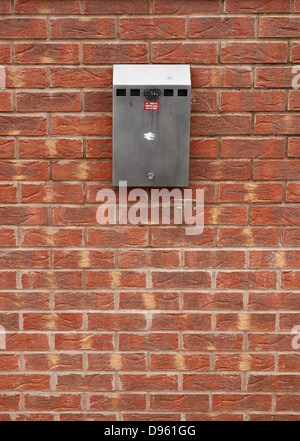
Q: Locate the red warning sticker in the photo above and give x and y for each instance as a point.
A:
(151, 105)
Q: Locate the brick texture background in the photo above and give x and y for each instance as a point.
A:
(145, 322)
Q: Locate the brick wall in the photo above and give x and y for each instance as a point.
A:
(145, 322)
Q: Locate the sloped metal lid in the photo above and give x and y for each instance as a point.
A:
(151, 74)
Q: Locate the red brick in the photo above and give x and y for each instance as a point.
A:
(52, 361)
(257, 101)
(116, 321)
(204, 53)
(204, 101)
(10, 321)
(187, 6)
(294, 148)
(72, 28)
(244, 402)
(277, 124)
(275, 170)
(24, 259)
(116, 7)
(82, 171)
(221, 77)
(149, 342)
(49, 194)
(226, 216)
(254, 53)
(245, 321)
(174, 321)
(53, 402)
(268, 215)
(34, 417)
(211, 382)
(175, 236)
(98, 148)
(220, 125)
(295, 53)
(83, 259)
(179, 402)
(152, 27)
(214, 259)
(288, 402)
(27, 342)
(293, 193)
(81, 77)
(253, 148)
(107, 53)
(5, 53)
(86, 342)
(270, 342)
(20, 171)
(52, 280)
(26, 77)
(124, 362)
(246, 280)
(219, 170)
(119, 237)
(7, 237)
(23, 216)
(9, 402)
(289, 362)
(50, 148)
(279, 27)
(256, 6)
(288, 320)
(100, 101)
(177, 279)
(115, 279)
(217, 301)
(74, 216)
(273, 383)
(52, 237)
(213, 342)
(89, 382)
(7, 280)
(251, 193)
(48, 102)
(52, 321)
(47, 7)
(8, 193)
(290, 280)
(291, 237)
(23, 28)
(244, 362)
(222, 27)
(84, 301)
(25, 382)
(118, 402)
(274, 417)
(294, 100)
(274, 77)
(5, 7)
(250, 237)
(151, 416)
(151, 300)
(273, 301)
(47, 53)
(9, 362)
(180, 362)
(153, 382)
(213, 417)
(86, 125)
(22, 125)
(5, 101)
(155, 258)
(274, 259)
(24, 301)
(87, 417)
(7, 148)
